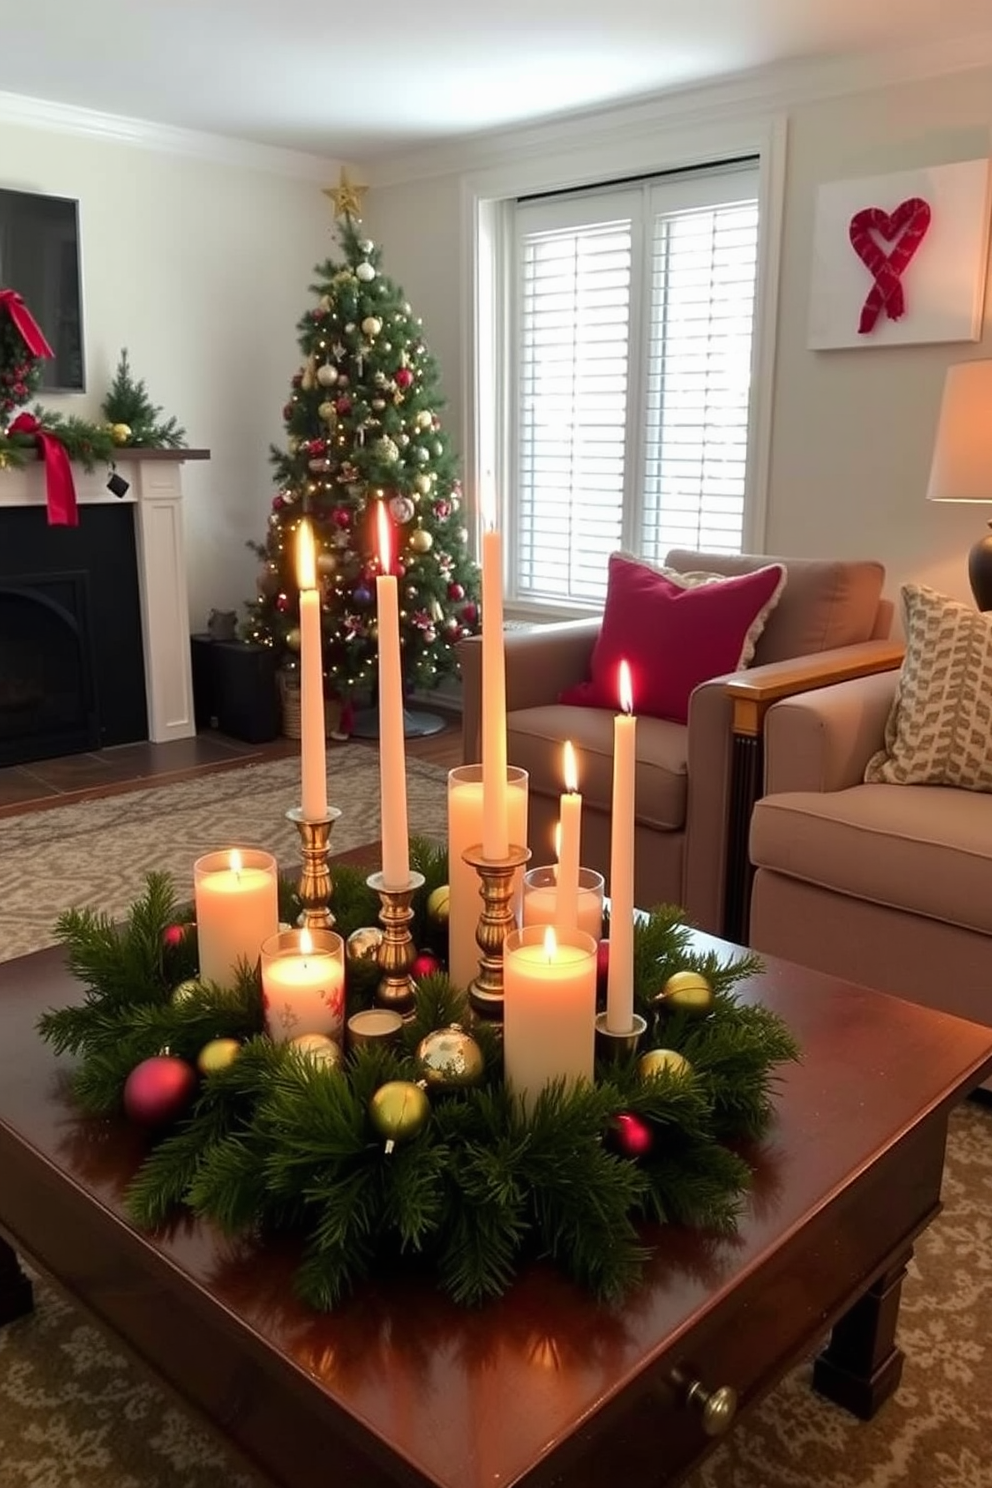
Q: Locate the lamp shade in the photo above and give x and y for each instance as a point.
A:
(962, 455)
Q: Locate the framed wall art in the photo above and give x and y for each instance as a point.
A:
(901, 259)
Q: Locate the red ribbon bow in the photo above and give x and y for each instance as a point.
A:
(911, 218)
(59, 484)
(31, 332)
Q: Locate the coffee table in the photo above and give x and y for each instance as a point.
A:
(400, 1389)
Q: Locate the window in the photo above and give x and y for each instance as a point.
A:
(632, 337)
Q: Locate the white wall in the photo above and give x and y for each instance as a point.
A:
(200, 268)
(851, 430)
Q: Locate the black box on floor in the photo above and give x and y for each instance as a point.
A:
(234, 689)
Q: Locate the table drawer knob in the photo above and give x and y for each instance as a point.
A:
(716, 1407)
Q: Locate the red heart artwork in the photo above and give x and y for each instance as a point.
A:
(905, 228)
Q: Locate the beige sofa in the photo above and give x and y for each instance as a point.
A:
(888, 885)
(685, 773)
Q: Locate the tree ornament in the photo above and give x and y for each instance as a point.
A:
(450, 1059)
(173, 935)
(425, 964)
(387, 450)
(403, 377)
(438, 903)
(293, 638)
(470, 612)
(365, 272)
(631, 1135)
(421, 455)
(663, 1061)
(120, 433)
(371, 326)
(363, 944)
(183, 991)
(282, 603)
(456, 592)
(341, 517)
(422, 483)
(327, 375)
(217, 1055)
(327, 563)
(685, 992)
(318, 1049)
(362, 594)
(158, 1090)
(399, 1111)
(328, 412)
(401, 509)
(421, 541)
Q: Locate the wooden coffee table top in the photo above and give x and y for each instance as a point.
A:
(409, 1389)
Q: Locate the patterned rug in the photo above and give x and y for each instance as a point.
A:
(77, 1413)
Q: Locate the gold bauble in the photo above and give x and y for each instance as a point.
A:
(663, 1061)
(421, 541)
(328, 412)
(422, 483)
(327, 375)
(185, 990)
(363, 944)
(399, 1111)
(439, 903)
(318, 1049)
(371, 326)
(449, 1059)
(685, 992)
(293, 638)
(120, 433)
(217, 1055)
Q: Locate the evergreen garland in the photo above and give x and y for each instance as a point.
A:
(86, 444)
(275, 1143)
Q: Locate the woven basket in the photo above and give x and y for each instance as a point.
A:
(289, 696)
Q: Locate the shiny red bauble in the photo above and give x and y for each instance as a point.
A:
(631, 1135)
(172, 935)
(158, 1090)
(403, 377)
(425, 964)
(456, 592)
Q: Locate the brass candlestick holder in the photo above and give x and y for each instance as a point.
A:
(485, 993)
(315, 886)
(616, 1046)
(397, 951)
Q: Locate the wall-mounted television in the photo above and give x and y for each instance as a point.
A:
(39, 257)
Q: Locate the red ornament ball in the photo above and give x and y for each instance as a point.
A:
(456, 591)
(158, 1090)
(172, 935)
(403, 377)
(424, 965)
(632, 1135)
(342, 406)
(470, 612)
(282, 603)
(341, 517)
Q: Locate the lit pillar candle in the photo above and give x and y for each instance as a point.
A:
(392, 746)
(237, 907)
(549, 1008)
(569, 837)
(313, 757)
(303, 984)
(495, 832)
(620, 977)
(540, 906)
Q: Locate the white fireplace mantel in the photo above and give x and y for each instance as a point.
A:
(155, 489)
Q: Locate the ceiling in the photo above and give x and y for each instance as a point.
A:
(322, 78)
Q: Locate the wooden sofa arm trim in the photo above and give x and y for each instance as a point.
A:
(752, 696)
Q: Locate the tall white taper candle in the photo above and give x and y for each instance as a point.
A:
(392, 746)
(313, 750)
(620, 976)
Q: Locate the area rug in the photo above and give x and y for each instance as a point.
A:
(77, 1413)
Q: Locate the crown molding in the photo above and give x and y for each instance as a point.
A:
(766, 91)
(219, 149)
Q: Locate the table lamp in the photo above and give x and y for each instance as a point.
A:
(962, 458)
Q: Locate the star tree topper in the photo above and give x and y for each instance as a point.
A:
(346, 196)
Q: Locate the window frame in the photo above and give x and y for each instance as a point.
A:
(630, 149)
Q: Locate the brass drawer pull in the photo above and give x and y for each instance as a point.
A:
(717, 1407)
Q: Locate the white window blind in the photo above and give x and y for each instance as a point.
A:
(633, 324)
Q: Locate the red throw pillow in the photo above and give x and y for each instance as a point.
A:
(674, 637)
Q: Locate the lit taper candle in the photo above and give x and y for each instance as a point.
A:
(313, 750)
(495, 831)
(392, 747)
(569, 838)
(620, 976)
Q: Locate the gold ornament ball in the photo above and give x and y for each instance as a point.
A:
(217, 1055)
(662, 1061)
(438, 904)
(318, 1049)
(399, 1110)
(120, 433)
(293, 638)
(185, 990)
(371, 326)
(450, 1059)
(327, 375)
(363, 944)
(328, 413)
(687, 992)
(421, 541)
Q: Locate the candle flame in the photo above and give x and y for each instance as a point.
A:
(570, 769)
(385, 538)
(234, 861)
(306, 562)
(550, 943)
(626, 690)
(306, 943)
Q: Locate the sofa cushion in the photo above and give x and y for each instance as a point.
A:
(939, 728)
(927, 851)
(824, 604)
(674, 632)
(534, 741)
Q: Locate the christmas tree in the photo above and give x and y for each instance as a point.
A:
(363, 428)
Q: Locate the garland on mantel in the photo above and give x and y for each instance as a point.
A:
(276, 1143)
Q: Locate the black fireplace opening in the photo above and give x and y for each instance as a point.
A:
(72, 673)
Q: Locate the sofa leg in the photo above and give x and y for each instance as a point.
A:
(747, 765)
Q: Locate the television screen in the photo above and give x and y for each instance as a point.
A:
(39, 257)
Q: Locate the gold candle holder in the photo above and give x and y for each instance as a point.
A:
(315, 885)
(485, 992)
(397, 951)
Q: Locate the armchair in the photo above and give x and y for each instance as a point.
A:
(693, 782)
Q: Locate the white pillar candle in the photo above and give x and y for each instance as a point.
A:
(303, 984)
(540, 903)
(237, 907)
(569, 837)
(549, 1009)
(392, 745)
(465, 831)
(620, 976)
(495, 828)
(313, 756)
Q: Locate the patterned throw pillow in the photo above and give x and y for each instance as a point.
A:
(939, 729)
